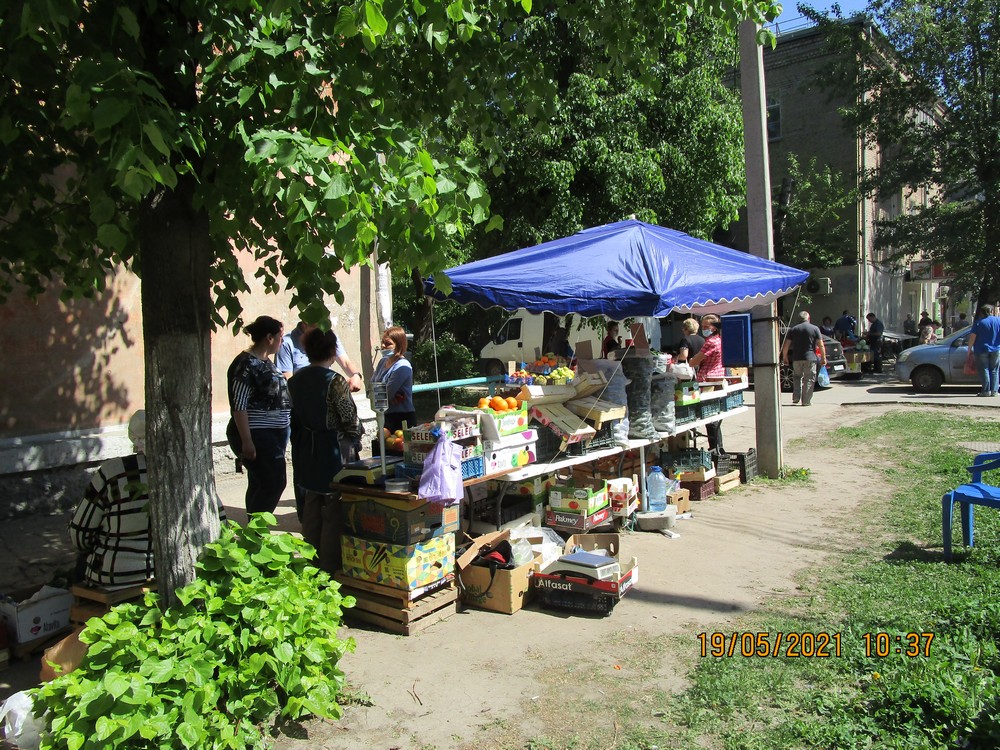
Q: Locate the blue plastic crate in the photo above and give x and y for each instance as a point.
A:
(708, 409)
(733, 401)
(684, 413)
(473, 467)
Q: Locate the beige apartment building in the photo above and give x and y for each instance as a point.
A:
(803, 119)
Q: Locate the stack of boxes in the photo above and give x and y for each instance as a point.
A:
(578, 508)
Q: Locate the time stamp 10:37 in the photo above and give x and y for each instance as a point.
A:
(811, 645)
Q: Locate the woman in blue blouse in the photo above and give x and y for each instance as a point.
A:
(258, 397)
(395, 371)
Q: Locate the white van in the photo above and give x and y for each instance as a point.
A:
(524, 335)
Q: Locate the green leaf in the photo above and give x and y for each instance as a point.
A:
(340, 185)
(347, 22)
(284, 653)
(245, 93)
(425, 160)
(129, 22)
(376, 21)
(156, 138)
(526, 4)
(495, 223)
(110, 111)
(188, 735)
(111, 237)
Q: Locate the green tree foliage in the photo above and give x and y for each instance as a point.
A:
(925, 83)
(813, 216)
(664, 143)
(170, 136)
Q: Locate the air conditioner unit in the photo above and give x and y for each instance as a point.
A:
(820, 286)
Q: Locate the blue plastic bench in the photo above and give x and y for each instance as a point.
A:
(969, 495)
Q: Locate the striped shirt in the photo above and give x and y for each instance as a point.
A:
(256, 387)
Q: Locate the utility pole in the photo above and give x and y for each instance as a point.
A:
(763, 317)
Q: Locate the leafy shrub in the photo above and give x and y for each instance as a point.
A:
(455, 360)
(253, 638)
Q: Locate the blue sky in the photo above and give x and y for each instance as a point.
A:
(791, 19)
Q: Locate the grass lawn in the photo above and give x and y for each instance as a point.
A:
(912, 642)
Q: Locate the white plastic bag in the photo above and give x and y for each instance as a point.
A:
(20, 727)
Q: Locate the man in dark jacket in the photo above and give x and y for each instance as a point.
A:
(874, 339)
(800, 351)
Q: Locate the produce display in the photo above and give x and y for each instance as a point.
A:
(393, 440)
(547, 370)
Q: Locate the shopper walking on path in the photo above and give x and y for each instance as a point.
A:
(805, 351)
(874, 339)
(258, 397)
(984, 348)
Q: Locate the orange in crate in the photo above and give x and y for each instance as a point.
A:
(512, 403)
(498, 404)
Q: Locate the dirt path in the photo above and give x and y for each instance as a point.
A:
(486, 680)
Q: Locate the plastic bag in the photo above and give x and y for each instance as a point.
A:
(66, 655)
(682, 371)
(441, 480)
(20, 726)
(823, 377)
(969, 368)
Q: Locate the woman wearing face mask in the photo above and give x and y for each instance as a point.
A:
(395, 371)
(709, 367)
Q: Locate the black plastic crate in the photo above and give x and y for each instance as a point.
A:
(708, 409)
(684, 413)
(688, 460)
(576, 600)
(745, 462)
(547, 447)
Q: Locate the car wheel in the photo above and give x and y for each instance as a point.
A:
(926, 379)
(786, 379)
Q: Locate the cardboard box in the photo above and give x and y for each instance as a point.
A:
(577, 521)
(682, 499)
(602, 595)
(536, 488)
(511, 452)
(399, 566)
(400, 519)
(579, 499)
(33, 615)
(498, 424)
(702, 475)
(506, 591)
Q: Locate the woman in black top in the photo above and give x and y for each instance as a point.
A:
(692, 341)
(258, 397)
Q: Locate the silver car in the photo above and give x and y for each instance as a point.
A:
(928, 366)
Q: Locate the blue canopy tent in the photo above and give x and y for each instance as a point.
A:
(621, 270)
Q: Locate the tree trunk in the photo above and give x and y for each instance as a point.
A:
(421, 311)
(175, 256)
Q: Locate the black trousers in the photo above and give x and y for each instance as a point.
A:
(322, 526)
(714, 432)
(266, 473)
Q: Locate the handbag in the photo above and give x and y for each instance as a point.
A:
(441, 480)
(233, 437)
(823, 377)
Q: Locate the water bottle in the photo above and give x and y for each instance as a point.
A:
(656, 490)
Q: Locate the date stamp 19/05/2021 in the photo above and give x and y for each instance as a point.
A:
(807, 645)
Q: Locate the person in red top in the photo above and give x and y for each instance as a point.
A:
(708, 363)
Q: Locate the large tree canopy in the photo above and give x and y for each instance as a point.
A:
(169, 134)
(925, 79)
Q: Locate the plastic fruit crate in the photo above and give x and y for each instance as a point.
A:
(733, 401)
(417, 453)
(422, 433)
(473, 467)
(745, 462)
(548, 445)
(689, 460)
(685, 413)
(700, 490)
(708, 409)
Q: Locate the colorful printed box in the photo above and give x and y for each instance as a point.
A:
(398, 566)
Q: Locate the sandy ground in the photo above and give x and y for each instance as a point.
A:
(462, 680)
(481, 679)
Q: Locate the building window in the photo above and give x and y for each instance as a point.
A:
(773, 118)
